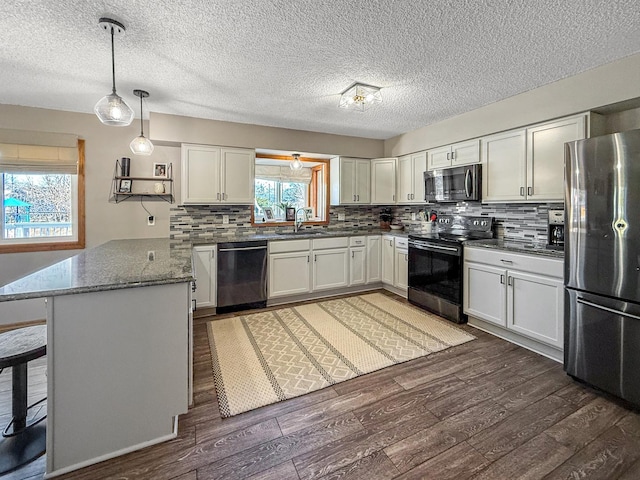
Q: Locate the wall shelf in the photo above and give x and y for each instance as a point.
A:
(117, 194)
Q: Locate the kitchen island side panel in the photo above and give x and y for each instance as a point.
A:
(117, 371)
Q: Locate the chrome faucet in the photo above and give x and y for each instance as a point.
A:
(296, 224)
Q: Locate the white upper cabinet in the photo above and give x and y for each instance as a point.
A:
(528, 164)
(217, 175)
(237, 175)
(545, 156)
(462, 153)
(350, 181)
(411, 170)
(383, 181)
(504, 170)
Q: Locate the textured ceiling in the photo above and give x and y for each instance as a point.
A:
(284, 62)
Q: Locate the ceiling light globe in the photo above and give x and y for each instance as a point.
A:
(141, 146)
(112, 110)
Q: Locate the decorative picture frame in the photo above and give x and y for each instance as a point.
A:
(308, 213)
(290, 214)
(268, 213)
(125, 186)
(160, 170)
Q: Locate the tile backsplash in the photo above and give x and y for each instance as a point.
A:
(512, 221)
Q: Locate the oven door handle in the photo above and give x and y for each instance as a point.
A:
(432, 247)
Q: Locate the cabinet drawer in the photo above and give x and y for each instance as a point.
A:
(337, 242)
(289, 246)
(357, 241)
(552, 267)
(402, 243)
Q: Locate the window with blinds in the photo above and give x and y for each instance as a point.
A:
(42, 199)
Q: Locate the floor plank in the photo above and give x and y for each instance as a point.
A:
(486, 409)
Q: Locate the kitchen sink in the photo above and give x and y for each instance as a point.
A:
(303, 232)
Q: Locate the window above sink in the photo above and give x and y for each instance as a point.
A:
(278, 188)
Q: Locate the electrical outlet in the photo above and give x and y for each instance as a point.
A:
(151, 255)
(413, 215)
(151, 220)
(341, 217)
(225, 219)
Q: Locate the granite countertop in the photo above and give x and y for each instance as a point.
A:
(303, 234)
(114, 265)
(517, 247)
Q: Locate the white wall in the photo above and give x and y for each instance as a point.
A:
(605, 85)
(174, 129)
(104, 220)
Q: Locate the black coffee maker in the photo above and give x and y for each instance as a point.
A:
(555, 230)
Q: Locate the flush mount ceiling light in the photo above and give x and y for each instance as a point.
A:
(112, 109)
(141, 145)
(296, 164)
(360, 97)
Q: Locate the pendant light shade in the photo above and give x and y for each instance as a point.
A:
(111, 109)
(141, 145)
(296, 164)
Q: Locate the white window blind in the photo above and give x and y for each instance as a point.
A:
(282, 174)
(38, 152)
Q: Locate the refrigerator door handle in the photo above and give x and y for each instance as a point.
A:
(607, 309)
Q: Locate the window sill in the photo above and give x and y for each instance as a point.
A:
(41, 247)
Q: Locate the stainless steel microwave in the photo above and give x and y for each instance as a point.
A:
(457, 184)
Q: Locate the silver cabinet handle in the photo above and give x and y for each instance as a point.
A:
(522, 191)
(448, 154)
(412, 196)
(315, 258)
(307, 258)
(354, 198)
(408, 197)
(406, 257)
(453, 155)
(502, 279)
(358, 197)
(218, 196)
(393, 198)
(352, 253)
(510, 262)
(529, 190)
(510, 280)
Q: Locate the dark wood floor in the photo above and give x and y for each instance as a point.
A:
(483, 410)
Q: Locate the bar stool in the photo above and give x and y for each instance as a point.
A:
(22, 441)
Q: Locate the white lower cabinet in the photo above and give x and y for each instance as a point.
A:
(289, 268)
(373, 259)
(330, 268)
(388, 260)
(535, 307)
(357, 260)
(204, 267)
(288, 273)
(401, 264)
(522, 294)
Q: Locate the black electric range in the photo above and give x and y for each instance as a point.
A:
(436, 263)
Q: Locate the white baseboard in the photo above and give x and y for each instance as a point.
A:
(533, 345)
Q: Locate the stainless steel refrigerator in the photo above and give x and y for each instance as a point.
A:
(602, 263)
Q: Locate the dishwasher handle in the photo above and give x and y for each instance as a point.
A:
(241, 249)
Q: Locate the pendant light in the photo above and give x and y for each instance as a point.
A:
(111, 109)
(296, 165)
(141, 145)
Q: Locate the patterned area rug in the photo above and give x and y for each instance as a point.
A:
(271, 356)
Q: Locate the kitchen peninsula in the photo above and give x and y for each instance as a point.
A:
(118, 348)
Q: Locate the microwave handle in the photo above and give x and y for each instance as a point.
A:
(467, 182)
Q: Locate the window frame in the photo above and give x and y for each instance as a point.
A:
(79, 243)
(326, 173)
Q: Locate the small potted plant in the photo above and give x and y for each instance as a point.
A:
(385, 218)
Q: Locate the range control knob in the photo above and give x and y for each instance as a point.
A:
(476, 222)
(484, 223)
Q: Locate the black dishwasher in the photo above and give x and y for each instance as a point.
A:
(242, 276)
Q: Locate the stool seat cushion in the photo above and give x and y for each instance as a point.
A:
(22, 345)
